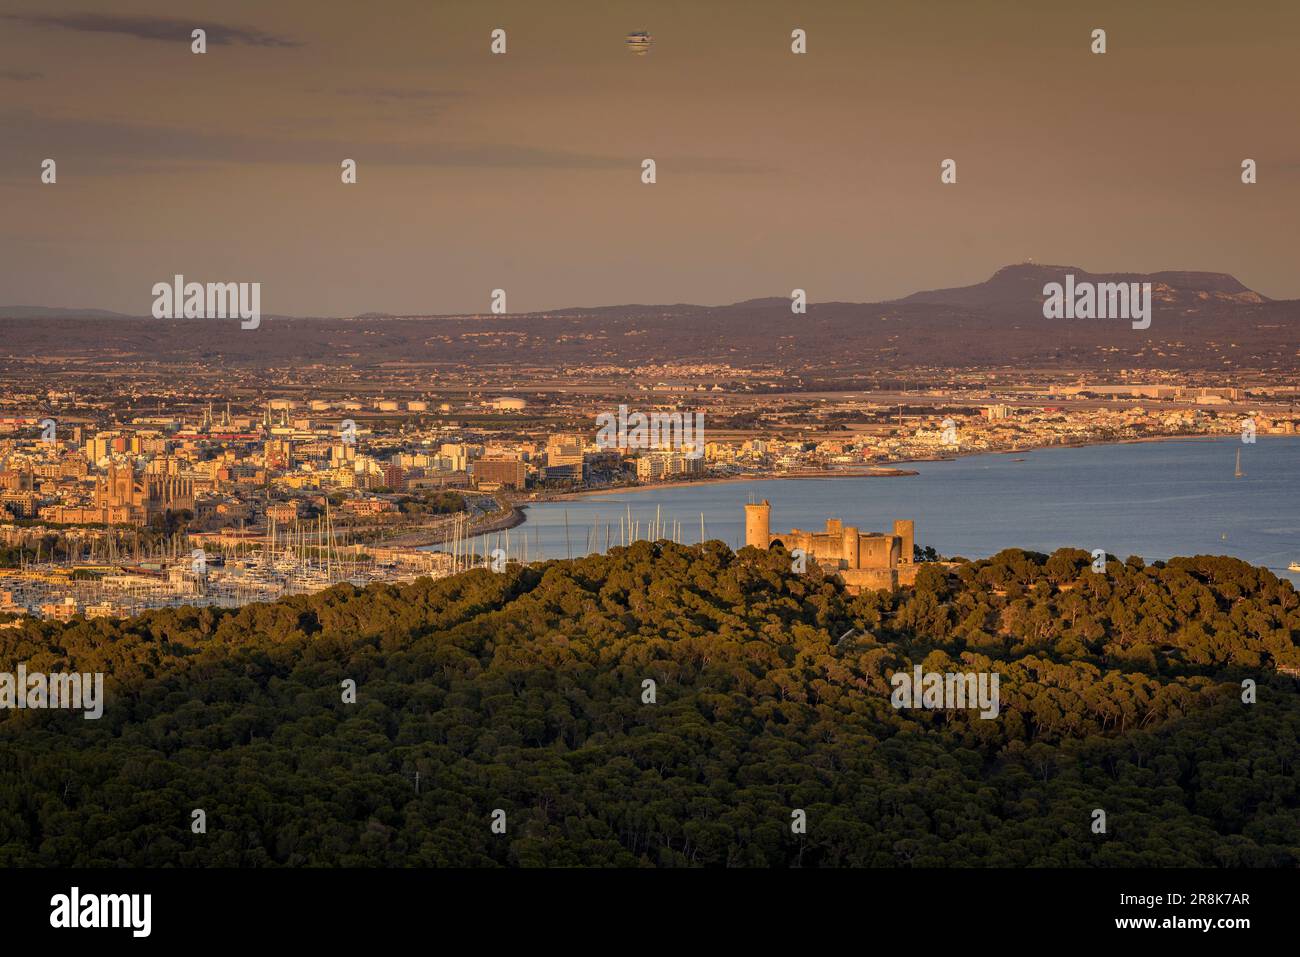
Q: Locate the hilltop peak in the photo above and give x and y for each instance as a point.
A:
(1015, 284)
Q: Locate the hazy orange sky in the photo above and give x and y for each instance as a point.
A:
(522, 171)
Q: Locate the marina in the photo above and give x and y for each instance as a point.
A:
(228, 570)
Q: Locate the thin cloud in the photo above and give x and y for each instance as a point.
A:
(403, 101)
(399, 93)
(154, 28)
(144, 146)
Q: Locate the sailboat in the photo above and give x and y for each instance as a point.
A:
(1239, 473)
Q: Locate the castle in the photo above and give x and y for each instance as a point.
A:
(860, 559)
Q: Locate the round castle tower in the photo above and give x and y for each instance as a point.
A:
(758, 524)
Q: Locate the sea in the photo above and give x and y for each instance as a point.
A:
(1154, 499)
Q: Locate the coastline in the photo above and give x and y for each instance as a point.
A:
(417, 541)
(721, 480)
(895, 468)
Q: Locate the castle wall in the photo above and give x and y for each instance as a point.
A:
(857, 579)
(876, 551)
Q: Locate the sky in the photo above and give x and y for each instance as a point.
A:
(522, 171)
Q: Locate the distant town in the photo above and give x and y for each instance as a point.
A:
(135, 491)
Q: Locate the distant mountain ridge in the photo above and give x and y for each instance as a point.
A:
(57, 312)
(54, 312)
(1199, 320)
(1012, 286)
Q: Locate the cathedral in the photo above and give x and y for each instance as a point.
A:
(125, 499)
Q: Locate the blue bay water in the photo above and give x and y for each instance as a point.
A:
(1153, 499)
